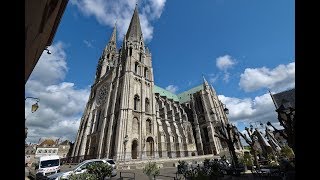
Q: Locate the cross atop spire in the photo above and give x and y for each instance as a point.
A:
(134, 29)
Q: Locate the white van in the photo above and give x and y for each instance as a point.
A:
(48, 165)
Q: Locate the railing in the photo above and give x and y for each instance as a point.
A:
(119, 157)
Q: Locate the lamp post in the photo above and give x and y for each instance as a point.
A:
(34, 108)
(125, 140)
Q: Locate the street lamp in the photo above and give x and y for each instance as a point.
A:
(35, 106)
(125, 140)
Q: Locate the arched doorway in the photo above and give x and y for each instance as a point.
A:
(134, 149)
(150, 146)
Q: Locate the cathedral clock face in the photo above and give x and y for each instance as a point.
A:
(102, 94)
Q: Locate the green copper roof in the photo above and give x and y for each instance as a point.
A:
(182, 97)
(166, 93)
(185, 96)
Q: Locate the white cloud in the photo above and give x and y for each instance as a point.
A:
(61, 104)
(172, 88)
(225, 62)
(260, 109)
(107, 12)
(278, 79)
(53, 67)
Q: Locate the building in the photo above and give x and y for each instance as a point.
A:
(128, 117)
(30, 151)
(42, 18)
(47, 147)
(285, 107)
(284, 96)
(64, 149)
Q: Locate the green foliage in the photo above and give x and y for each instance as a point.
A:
(287, 152)
(246, 160)
(94, 171)
(83, 176)
(151, 169)
(182, 167)
(101, 170)
(272, 161)
(210, 170)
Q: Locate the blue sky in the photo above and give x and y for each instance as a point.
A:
(242, 47)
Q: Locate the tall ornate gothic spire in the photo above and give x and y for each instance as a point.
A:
(134, 29)
(205, 83)
(112, 44)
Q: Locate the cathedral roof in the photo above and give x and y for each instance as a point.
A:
(165, 93)
(182, 97)
(185, 96)
(134, 29)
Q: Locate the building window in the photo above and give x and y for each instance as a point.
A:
(136, 102)
(140, 57)
(147, 104)
(148, 126)
(136, 68)
(146, 73)
(135, 126)
(130, 51)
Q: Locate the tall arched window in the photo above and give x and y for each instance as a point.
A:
(136, 102)
(136, 68)
(130, 51)
(140, 57)
(148, 126)
(135, 126)
(146, 73)
(147, 105)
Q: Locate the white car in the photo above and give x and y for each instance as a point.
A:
(82, 167)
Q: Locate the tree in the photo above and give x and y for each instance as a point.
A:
(229, 135)
(251, 141)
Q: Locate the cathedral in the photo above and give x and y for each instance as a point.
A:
(127, 117)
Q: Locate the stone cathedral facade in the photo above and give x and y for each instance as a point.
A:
(128, 117)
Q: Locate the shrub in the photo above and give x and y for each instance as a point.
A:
(82, 176)
(182, 167)
(94, 171)
(151, 169)
(287, 152)
(101, 170)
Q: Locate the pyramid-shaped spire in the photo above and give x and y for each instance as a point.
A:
(134, 29)
(112, 44)
(205, 83)
(113, 37)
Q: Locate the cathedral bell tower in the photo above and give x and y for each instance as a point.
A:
(137, 118)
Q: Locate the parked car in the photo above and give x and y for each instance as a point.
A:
(81, 168)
